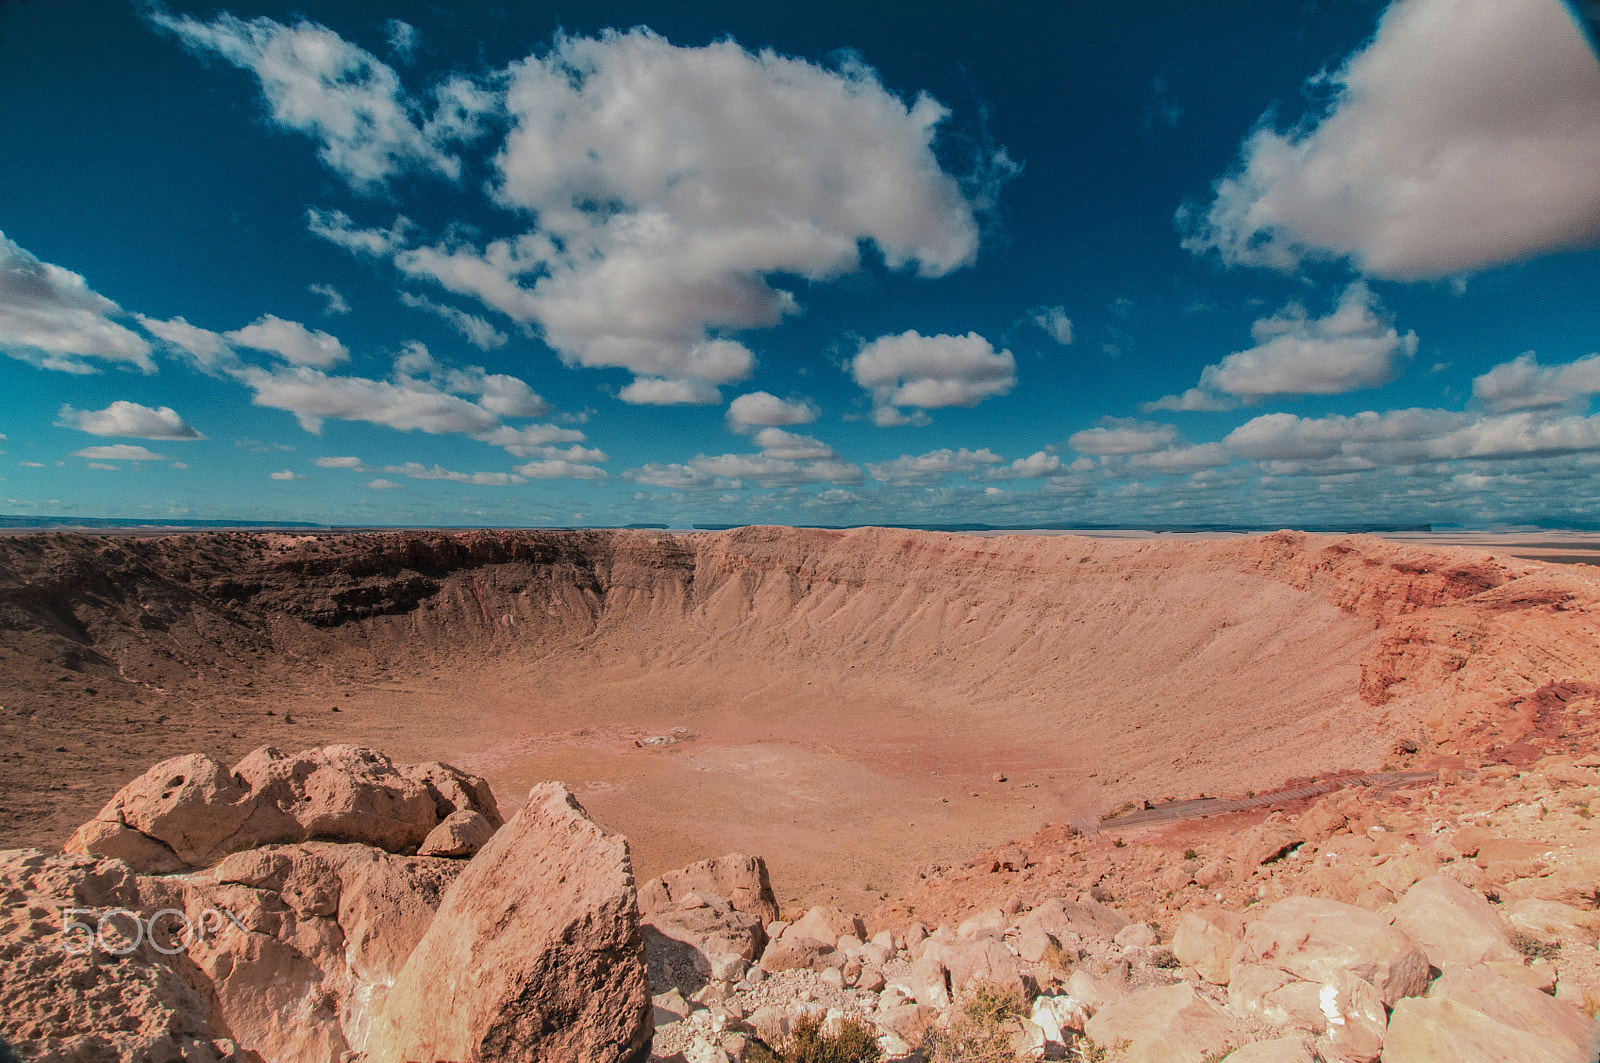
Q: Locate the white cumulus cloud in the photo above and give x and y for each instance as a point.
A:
(1523, 384)
(51, 318)
(763, 408)
(342, 96)
(1056, 324)
(129, 419)
(286, 474)
(351, 463)
(1354, 346)
(927, 372)
(1122, 435)
(417, 471)
(336, 302)
(929, 467)
(291, 341)
(1465, 135)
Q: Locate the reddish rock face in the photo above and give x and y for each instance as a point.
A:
(535, 953)
(738, 879)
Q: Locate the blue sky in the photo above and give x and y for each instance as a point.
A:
(1154, 263)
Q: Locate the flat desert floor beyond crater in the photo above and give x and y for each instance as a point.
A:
(843, 703)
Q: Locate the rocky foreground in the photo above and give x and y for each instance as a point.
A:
(330, 906)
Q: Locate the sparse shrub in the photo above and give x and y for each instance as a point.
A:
(1191, 854)
(1088, 1052)
(981, 1030)
(852, 1042)
(1164, 959)
(1118, 842)
(1533, 948)
(1057, 958)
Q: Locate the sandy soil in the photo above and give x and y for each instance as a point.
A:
(838, 703)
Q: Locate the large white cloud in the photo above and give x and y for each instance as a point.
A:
(927, 372)
(352, 103)
(664, 187)
(129, 419)
(205, 349)
(1465, 135)
(51, 318)
(291, 341)
(1353, 347)
(1523, 384)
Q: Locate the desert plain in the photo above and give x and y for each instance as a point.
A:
(854, 706)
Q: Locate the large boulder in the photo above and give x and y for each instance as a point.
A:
(827, 924)
(1205, 939)
(1455, 925)
(738, 879)
(693, 942)
(535, 952)
(1315, 939)
(105, 991)
(190, 811)
(1085, 916)
(1163, 1024)
(303, 941)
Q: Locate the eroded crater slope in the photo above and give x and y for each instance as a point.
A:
(845, 702)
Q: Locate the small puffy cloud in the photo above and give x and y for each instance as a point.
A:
(767, 471)
(928, 372)
(382, 485)
(286, 474)
(655, 391)
(1040, 463)
(342, 96)
(929, 467)
(207, 350)
(1195, 399)
(763, 408)
(560, 469)
(103, 465)
(117, 452)
(291, 341)
(673, 476)
(1122, 435)
(1465, 135)
(353, 464)
(123, 418)
(475, 330)
(32, 464)
(50, 318)
(791, 446)
(1181, 459)
(1353, 347)
(417, 471)
(336, 301)
(1524, 384)
(528, 440)
(178, 465)
(1056, 324)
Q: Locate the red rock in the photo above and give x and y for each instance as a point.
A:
(739, 879)
(55, 1005)
(535, 953)
(1315, 939)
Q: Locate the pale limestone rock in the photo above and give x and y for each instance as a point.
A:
(1137, 935)
(1356, 1018)
(1280, 1050)
(1033, 943)
(827, 924)
(742, 880)
(458, 834)
(1520, 1007)
(1162, 1024)
(1315, 939)
(534, 954)
(1206, 939)
(1423, 1030)
(1454, 925)
(1554, 919)
(794, 952)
